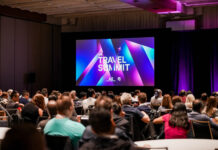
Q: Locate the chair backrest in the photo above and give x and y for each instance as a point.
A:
(135, 128)
(201, 129)
(131, 128)
(58, 142)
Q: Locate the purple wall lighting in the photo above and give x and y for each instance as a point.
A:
(157, 6)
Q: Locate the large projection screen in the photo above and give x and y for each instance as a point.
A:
(115, 62)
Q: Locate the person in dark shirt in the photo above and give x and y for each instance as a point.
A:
(139, 118)
(196, 115)
(34, 109)
(104, 128)
(14, 102)
(142, 97)
(14, 138)
(25, 97)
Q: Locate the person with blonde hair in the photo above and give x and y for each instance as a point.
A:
(189, 100)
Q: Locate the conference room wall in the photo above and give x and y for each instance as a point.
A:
(112, 22)
(27, 48)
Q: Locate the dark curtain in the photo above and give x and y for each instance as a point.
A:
(194, 63)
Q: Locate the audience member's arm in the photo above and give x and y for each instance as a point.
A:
(213, 124)
(158, 120)
(145, 118)
(40, 112)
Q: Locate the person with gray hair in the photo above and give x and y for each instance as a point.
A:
(140, 117)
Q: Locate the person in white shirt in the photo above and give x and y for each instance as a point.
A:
(157, 98)
(90, 101)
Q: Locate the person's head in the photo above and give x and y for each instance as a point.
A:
(176, 99)
(44, 92)
(211, 103)
(14, 139)
(126, 99)
(182, 93)
(65, 94)
(117, 99)
(91, 92)
(137, 92)
(65, 107)
(10, 91)
(111, 94)
(97, 95)
(25, 94)
(189, 92)
(166, 102)
(52, 108)
(204, 97)
(214, 93)
(104, 102)
(52, 97)
(0, 92)
(103, 93)
(73, 94)
(83, 95)
(189, 99)
(15, 96)
(179, 117)
(142, 97)
(101, 122)
(116, 108)
(56, 93)
(5, 95)
(197, 105)
(157, 93)
(39, 101)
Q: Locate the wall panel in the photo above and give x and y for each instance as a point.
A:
(21, 54)
(7, 53)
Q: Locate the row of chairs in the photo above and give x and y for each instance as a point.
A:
(199, 129)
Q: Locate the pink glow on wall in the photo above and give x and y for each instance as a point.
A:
(157, 6)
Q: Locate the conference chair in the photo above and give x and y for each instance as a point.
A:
(58, 142)
(135, 130)
(201, 129)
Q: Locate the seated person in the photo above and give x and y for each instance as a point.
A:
(23, 137)
(142, 97)
(176, 99)
(157, 98)
(140, 118)
(196, 115)
(121, 130)
(118, 118)
(103, 126)
(25, 97)
(33, 110)
(61, 125)
(189, 100)
(176, 124)
(90, 101)
(128, 109)
(14, 102)
(166, 104)
(52, 112)
(211, 108)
